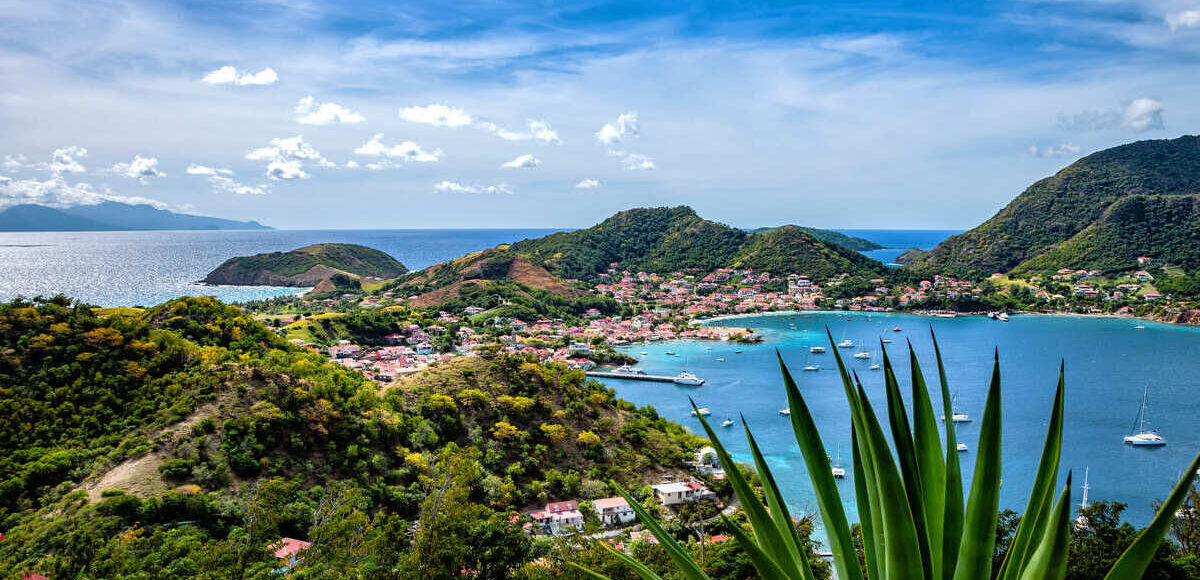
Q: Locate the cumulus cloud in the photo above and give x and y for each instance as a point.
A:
(15, 162)
(637, 162)
(456, 187)
(439, 115)
(407, 151)
(521, 162)
(228, 75)
(58, 192)
(141, 169)
(288, 157)
(1140, 114)
(625, 126)
(310, 112)
(1060, 150)
(588, 184)
(195, 169)
(1185, 19)
(63, 160)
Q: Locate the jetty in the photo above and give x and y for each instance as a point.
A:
(631, 376)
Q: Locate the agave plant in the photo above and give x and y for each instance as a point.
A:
(915, 523)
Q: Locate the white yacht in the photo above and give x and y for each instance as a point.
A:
(1141, 435)
(1002, 317)
(875, 367)
(687, 379)
(628, 370)
(962, 446)
(837, 470)
(816, 349)
(812, 368)
(846, 343)
(703, 411)
(862, 355)
(955, 416)
(1081, 522)
(785, 411)
(727, 422)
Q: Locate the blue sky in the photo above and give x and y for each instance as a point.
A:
(504, 114)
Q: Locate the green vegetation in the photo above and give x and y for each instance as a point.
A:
(224, 438)
(1075, 215)
(790, 250)
(908, 492)
(846, 241)
(307, 266)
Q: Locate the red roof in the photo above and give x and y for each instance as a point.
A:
(289, 546)
(718, 538)
(34, 577)
(562, 506)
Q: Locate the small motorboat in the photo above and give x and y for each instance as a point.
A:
(811, 368)
(862, 355)
(720, 360)
(670, 353)
(816, 349)
(897, 329)
(846, 343)
(875, 367)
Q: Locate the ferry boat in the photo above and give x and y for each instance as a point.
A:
(1140, 436)
(687, 379)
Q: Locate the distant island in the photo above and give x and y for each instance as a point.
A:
(323, 266)
(111, 216)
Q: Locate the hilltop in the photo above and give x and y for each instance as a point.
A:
(846, 241)
(111, 216)
(1101, 212)
(655, 240)
(321, 265)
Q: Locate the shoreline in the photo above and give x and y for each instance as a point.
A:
(927, 314)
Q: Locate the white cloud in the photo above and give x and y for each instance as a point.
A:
(437, 115)
(626, 126)
(351, 164)
(407, 151)
(447, 116)
(57, 192)
(228, 75)
(1143, 114)
(141, 168)
(288, 157)
(13, 163)
(195, 169)
(1140, 114)
(1060, 150)
(524, 161)
(62, 160)
(637, 162)
(1185, 19)
(313, 113)
(222, 184)
(456, 187)
(588, 184)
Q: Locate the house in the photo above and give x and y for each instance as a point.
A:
(677, 492)
(34, 577)
(614, 511)
(559, 517)
(288, 551)
(472, 310)
(1143, 275)
(580, 348)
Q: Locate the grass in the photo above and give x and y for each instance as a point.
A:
(908, 489)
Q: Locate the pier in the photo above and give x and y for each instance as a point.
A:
(630, 376)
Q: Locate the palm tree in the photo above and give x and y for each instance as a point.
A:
(914, 520)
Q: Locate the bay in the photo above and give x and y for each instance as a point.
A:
(1108, 365)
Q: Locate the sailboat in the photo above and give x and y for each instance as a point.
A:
(862, 355)
(728, 422)
(838, 471)
(811, 367)
(1140, 435)
(955, 416)
(1081, 522)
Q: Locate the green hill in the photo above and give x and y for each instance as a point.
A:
(1053, 211)
(793, 249)
(307, 266)
(183, 440)
(846, 241)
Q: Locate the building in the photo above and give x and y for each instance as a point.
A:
(614, 511)
(288, 551)
(560, 517)
(677, 492)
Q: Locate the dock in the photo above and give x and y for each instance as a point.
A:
(630, 376)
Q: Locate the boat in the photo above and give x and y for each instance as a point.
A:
(1139, 327)
(785, 412)
(644, 353)
(897, 329)
(702, 411)
(688, 379)
(816, 349)
(727, 422)
(812, 368)
(955, 416)
(962, 447)
(862, 355)
(708, 348)
(846, 343)
(670, 353)
(886, 340)
(1081, 522)
(1002, 317)
(720, 360)
(737, 352)
(875, 367)
(1140, 436)
(628, 370)
(837, 470)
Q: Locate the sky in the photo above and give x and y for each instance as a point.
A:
(330, 115)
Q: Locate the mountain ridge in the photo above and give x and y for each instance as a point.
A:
(111, 216)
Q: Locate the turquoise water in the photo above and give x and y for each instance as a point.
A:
(1108, 364)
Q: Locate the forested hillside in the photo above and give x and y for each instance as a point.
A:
(184, 440)
(1056, 209)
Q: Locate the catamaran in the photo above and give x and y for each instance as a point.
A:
(1140, 435)
(687, 379)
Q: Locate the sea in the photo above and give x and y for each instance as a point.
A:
(1109, 362)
